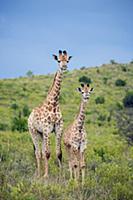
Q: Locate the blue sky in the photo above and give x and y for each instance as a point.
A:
(92, 31)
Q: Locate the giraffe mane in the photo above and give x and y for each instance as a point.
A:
(52, 83)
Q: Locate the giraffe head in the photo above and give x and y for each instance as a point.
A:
(62, 59)
(85, 91)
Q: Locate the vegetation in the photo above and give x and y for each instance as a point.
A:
(100, 100)
(29, 74)
(109, 157)
(128, 100)
(120, 82)
(125, 124)
(131, 62)
(113, 62)
(85, 79)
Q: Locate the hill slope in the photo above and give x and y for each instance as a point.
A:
(109, 158)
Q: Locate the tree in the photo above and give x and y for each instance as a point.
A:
(29, 74)
(112, 61)
(83, 68)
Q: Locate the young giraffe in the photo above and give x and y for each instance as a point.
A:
(75, 137)
(47, 118)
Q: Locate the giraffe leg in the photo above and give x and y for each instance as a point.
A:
(71, 170)
(70, 162)
(58, 131)
(76, 164)
(82, 166)
(35, 138)
(46, 150)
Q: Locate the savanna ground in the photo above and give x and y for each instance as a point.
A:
(109, 154)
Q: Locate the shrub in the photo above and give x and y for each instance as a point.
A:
(112, 61)
(26, 111)
(128, 100)
(100, 152)
(102, 117)
(29, 74)
(125, 123)
(19, 123)
(3, 127)
(120, 82)
(123, 68)
(100, 100)
(85, 79)
(14, 106)
(83, 68)
(119, 106)
(97, 70)
(105, 79)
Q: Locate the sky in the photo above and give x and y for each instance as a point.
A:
(92, 31)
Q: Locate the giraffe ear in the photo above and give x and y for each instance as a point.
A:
(55, 57)
(69, 58)
(79, 89)
(92, 89)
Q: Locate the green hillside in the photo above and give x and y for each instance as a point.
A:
(109, 155)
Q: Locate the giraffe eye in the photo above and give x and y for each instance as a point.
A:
(58, 61)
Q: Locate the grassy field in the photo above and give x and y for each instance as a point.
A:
(109, 157)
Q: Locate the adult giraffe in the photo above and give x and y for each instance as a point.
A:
(48, 118)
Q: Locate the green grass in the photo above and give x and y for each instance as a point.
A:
(109, 158)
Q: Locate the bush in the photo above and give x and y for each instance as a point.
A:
(29, 74)
(26, 111)
(100, 100)
(101, 153)
(124, 68)
(98, 70)
(85, 79)
(112, 61)
(3, 127)
(14, 106)
(120, 82)
(128, 100)
(83, 68)
(125, 123)
(19, 123)
(102, 117)
(105, 79)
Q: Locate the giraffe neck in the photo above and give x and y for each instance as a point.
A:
(81, 115)
(54, 92)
